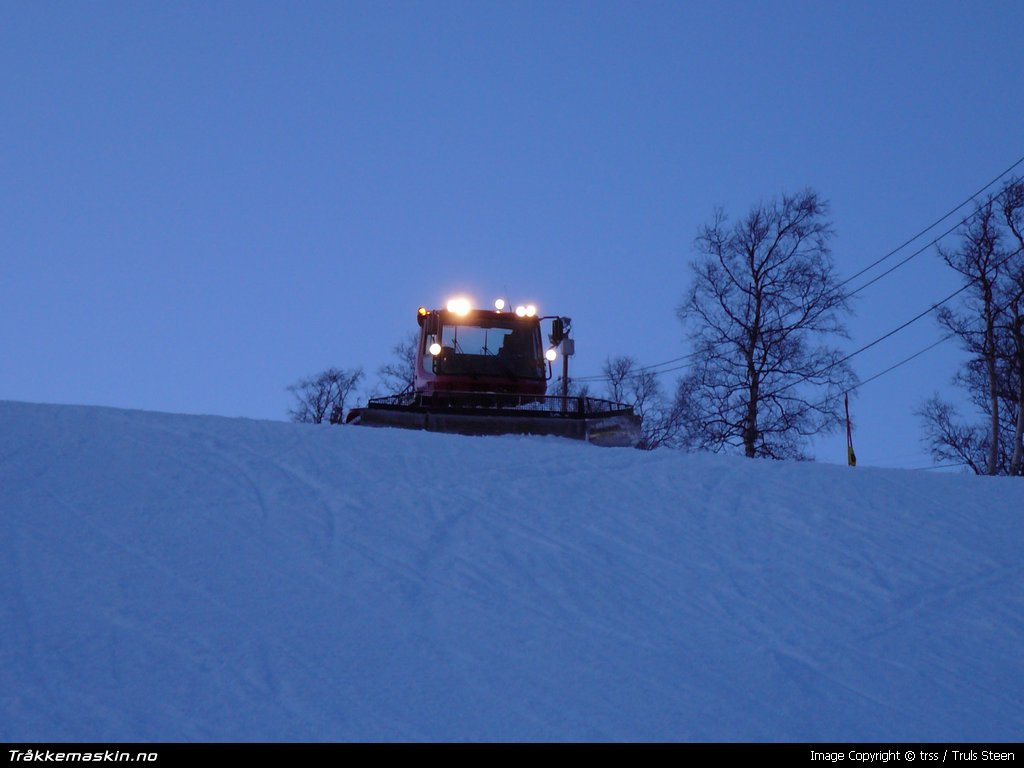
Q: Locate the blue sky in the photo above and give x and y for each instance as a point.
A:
(202, 202)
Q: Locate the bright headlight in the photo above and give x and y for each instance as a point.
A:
(530, 310)
(499, 304)
(435, 349)
(520, 311)
(551, 354)
(459, 306)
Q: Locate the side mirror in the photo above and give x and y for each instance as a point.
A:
(557, 331)
(430, 324)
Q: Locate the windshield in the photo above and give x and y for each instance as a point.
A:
(506, 349)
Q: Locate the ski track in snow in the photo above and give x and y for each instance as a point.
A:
(173, 577)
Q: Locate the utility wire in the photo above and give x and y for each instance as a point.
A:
(643, 369)
(856, 352)
(867, 346)
(931, 226)
(905, 360)
(902, 362)
(897, 329)
(914, 255)
(653, 367)
(824, 402)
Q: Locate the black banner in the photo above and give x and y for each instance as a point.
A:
(865, 754)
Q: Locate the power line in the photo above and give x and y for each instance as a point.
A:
(825, 401)
(899, 328)
(870, 344)
(643, 369)
(902, 362)
(653, 367)
(856, 352)
(931, 226)
(914, 255)
(905, 360)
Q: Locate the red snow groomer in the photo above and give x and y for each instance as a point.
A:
(486, 372)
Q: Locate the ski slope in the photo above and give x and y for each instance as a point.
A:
(168, 577)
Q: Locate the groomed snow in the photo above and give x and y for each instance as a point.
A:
(170, 577)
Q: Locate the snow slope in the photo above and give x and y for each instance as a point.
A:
(197, 578)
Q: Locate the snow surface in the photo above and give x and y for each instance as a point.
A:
(170, 577)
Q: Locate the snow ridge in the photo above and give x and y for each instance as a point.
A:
(168, 577)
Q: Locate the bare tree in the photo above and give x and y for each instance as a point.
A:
(1013, 216)
(1012, 207)
(949, 439)
(761, 313)
(324, 395)
(989, 323)
(576, 388)
(1016, 329)
(399, 376)
(979, 260)
(629, 383)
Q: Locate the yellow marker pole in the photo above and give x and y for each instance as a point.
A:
(851, 457)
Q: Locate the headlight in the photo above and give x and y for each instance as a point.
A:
(499, 304)
(459, 306)
(520, 311)
(435, 349)
(530, 310)
(551, 355)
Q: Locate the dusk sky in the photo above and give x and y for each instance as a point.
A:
(202, 202)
